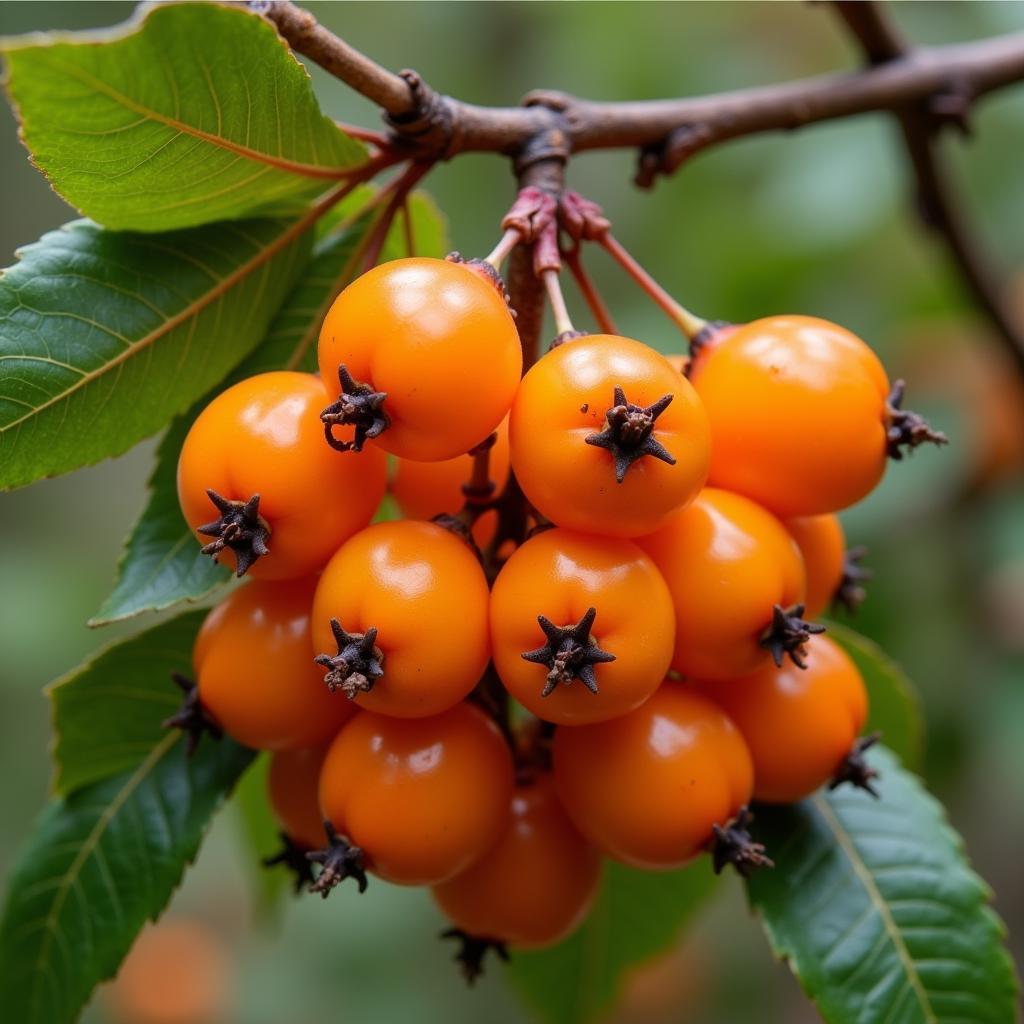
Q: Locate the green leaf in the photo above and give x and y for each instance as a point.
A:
(873, 904)
(638, 914)
(105, 336)
(107, 712)
(98, 864)
(161, 564)
(895, 709)
(195, 113)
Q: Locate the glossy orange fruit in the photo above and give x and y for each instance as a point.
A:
(255, 672)
(727, 563)
(606, 437)
(647, 788)
(423, 592)
(798, 412)
(423, 798)
(293, 788)
(263, 437)
(535, 885)
(799, 725)
(438, 341)
(582, 667)
(823, 547)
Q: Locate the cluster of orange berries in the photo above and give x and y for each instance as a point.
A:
(653, 626)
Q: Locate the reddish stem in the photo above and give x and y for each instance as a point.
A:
(588, 290)
(397, 191)
(690, 324)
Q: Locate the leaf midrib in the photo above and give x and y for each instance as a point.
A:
(876, 898)
(192, 309)
(256, 156)
(86, 849)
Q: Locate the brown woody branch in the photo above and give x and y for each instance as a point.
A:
(920, 123)
(675, 128)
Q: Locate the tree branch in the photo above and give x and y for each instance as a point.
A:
(937, 202)
(669, 130)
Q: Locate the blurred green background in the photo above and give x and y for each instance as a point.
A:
(818, 222)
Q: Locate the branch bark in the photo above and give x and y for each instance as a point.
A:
(671, 130)
(937, 201)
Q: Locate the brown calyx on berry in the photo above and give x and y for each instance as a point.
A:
(472, 950)
(487, 271)
(788, 634)
(629, 433)
(191, 718)
(338, 860)
(293, 857)
(358, 405)
(565, 336)
(906, 429)
(733, 844)
(358, 664)
(570, 653)
(851, 592)
(239, 527)
(855, 770)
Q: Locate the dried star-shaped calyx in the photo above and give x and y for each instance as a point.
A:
(906, 428)
(855, 770)
(629, 433)
(472, 950)
(358, 405)
(788, 634)
(240, 528)
(570, 653)
(357, 665)
(851, 593)
(293, 857)
(338, 860)
(734, 845)
(191, 718)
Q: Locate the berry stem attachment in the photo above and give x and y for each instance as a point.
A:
(854, 768)
(358, 664)
(569, 653)
(293, 857)
(788, 634)
(472, 950)
(338, 860)
(239, 527)
(191, 718)
(733, 844)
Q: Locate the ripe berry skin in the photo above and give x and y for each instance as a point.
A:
(647, 788)
(255, 673)
(439, 340)
(424, 591)
(423, 798)
(427, 489)
(292, 786)
(535, 885)
(823, 547)
(798, 412)
(799, 725)
(264, 436)
(563, 400)
(561, 574)
(726, 562)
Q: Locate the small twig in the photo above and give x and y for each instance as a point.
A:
(588, 290)
(553, 287)
(408, 230)
(375, 138)
(508, 241)
(690, 324)
(938, 205)
(397, 192)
